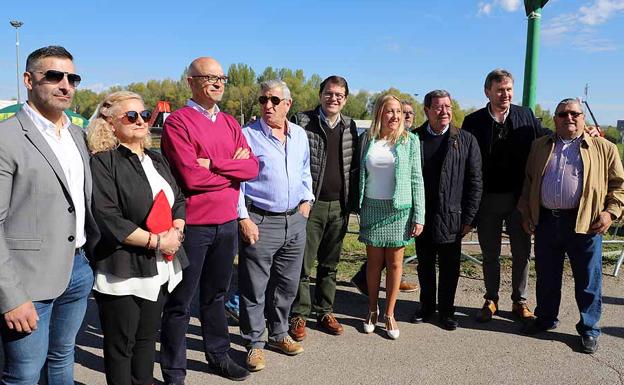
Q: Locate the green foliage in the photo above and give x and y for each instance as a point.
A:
(612, 134)
(357, 106)
(85, 102)
(241, 94)
(545, 116)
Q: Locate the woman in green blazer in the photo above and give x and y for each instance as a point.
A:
(392, 204)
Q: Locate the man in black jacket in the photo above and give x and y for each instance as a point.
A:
(334, 166)
(452, 176)
(505, 133)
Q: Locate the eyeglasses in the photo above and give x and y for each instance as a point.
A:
(564, 114)
(440, 108)
(54, 76)
(408, 113)
(275, 100)
(329, 95)
(211, 79)
(133, 116)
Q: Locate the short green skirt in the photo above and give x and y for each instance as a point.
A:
(381, 225)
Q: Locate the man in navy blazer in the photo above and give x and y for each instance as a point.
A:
(46, 225)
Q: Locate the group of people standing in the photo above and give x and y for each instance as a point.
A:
(279, 193)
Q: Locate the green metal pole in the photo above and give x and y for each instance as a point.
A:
(532, 55)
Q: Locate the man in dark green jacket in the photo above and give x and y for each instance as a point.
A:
(334, 166)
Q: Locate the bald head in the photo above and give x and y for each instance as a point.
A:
(204, 66)
(202, 73)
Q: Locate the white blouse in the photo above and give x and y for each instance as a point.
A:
(145, 287)
(380, 167)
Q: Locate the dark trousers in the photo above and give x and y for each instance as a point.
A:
(448, 256)
(554, 238)
(211, 251)
(496, 209)
(130, 325)
(325, 232)
(268, 275)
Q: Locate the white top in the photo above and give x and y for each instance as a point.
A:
(147, 287)
(69, 157)
(380, 167)
(210, 115)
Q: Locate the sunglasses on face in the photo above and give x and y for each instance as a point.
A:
(275, 100)
(133, 116)
(564, 114)
(54, 76)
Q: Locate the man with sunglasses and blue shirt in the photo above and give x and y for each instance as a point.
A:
(273, 212)
(573, 190)
(209, 157)
(46, 226)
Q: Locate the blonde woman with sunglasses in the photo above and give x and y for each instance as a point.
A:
(132, 276)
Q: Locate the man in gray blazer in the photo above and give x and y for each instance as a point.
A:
(45, 223)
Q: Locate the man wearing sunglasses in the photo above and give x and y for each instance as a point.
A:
(573, 190)
(209, 157)
(273, 212)
(46, 225)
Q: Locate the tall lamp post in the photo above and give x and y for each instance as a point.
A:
(16, 24)
(533, 10)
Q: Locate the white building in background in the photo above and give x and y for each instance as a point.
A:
(6, 103)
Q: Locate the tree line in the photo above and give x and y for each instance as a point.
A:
(241, 93)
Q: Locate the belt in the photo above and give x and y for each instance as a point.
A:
(559, 212)
(268, 213)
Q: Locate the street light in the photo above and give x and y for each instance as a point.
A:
(16, 24)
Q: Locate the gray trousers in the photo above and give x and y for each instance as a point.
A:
(496, 208)
(268, 273)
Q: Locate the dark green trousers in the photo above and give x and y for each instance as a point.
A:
(326, 229)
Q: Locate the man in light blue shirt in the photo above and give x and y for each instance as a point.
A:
(273, 211)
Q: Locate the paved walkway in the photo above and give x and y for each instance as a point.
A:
(494, 353)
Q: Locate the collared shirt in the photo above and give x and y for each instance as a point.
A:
(563, 177)
(505, 115)
(210, 115)
(326, 120)
(284, 179)
(430, 130)
(603, 187)
(69, 157)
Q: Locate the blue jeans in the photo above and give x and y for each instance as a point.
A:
(51, 346)
(555, 237)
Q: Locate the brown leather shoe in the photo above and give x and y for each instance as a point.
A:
(331, 324)
(406, 287)
(489, 308)
(297, 328)
(522, 311)
(287, 346)
(255, 360)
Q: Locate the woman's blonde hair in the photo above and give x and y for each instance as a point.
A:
(375, 130)
(100, 135)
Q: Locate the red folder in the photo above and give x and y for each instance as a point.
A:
(160, 218)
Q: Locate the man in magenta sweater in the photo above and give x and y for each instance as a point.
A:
(209, 157)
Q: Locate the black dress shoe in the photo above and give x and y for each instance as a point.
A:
(449, 322)
(421, 316)
(589, 344)
(535, 327)
(229, 369)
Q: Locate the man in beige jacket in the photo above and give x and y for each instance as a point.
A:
(573, 190)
